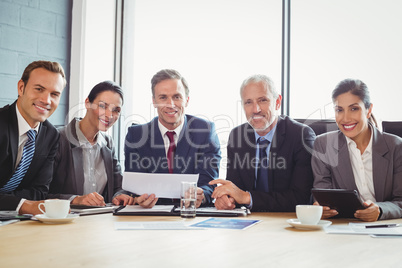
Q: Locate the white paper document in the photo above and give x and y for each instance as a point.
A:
(361, 229)
(153, 225)
(163, 185)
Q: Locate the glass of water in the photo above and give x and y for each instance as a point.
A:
(188, 198)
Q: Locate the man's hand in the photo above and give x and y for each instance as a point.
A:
(200, 197)
(30, 207)
(92, 199)
(225, 202)
(370, 213)
(123, 199)
(327, 212)
(146, 201)
(233, 194)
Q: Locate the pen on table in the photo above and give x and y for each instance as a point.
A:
(383, 225)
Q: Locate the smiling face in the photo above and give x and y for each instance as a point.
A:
(104, 111)
(260, 107)
(170, 100)
(351, 115)
(40, 96)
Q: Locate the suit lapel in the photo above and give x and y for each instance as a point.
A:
(107, 158)
(40, 141)
(277, 142)
(346, 172)
(183, 146)
(157, 146)
(380, 164)
(78, 169)
(250, 150)
(77, 157)
(13, 134)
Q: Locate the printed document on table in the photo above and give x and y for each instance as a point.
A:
(154, 225)
(360, 229)
(163, 185)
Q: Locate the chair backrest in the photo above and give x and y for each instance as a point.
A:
(393, 127)
(320, 126)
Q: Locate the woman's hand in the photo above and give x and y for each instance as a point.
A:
(370, 213)
(327, 212)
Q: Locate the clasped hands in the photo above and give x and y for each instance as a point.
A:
(228, 194)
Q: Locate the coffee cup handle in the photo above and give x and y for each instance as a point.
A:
(43, 207)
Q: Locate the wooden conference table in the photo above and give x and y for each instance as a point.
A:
(92, 241)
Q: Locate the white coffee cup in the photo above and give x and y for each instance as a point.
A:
(308, 214)
(55, 208)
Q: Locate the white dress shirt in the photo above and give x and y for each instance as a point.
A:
(163, 131)
(362, 166)
(95, 177)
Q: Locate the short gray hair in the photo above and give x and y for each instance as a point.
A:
(260, 78)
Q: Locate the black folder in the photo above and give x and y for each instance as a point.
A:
(175, 211)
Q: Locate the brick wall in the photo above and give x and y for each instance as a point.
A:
(33, 30)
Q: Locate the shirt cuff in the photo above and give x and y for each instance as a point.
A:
(72, 198)
(250, 206)
(20, 205)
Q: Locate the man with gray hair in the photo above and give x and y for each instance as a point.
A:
(268, 166)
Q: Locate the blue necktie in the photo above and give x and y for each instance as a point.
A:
(262, 172)
(27, 155)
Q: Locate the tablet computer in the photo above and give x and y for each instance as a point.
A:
(346, 202)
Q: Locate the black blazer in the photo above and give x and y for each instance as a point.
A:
(35, 184)
(290, 175)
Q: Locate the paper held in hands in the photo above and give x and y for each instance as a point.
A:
(163, 185)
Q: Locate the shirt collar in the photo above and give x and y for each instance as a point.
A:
(23, 125)
(351, 142)
(100, 140)
(177, 130)
(269, 136)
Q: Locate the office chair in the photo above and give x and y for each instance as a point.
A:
(393, 127)
(319, 126)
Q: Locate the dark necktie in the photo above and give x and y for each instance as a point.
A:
(27, 155)
(171, 150)
(262, 171)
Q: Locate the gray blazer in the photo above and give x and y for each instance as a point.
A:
(68, 175)
(332, 168)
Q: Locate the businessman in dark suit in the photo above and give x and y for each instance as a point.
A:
(173, 142)
(39, 92)
(268, 158)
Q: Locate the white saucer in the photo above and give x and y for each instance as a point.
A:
(320, 225)
(44, 219)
